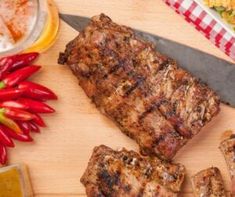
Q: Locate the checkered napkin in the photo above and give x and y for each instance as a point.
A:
(203, 22)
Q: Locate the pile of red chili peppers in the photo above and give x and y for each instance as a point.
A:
(21, 101)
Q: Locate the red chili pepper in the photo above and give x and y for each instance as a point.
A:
(23, 137)
(5, 64)
(5, 139)
(24, 59)
(31, 105)
(13, 104)
(39, 121)
(15, 62)
(9, 94)
(25, 126)
(11, 124)
(3, 154)
(36, 91)
(19, 75)
(17, 114)
(34, 127)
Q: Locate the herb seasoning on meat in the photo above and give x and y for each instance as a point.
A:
(146, 94)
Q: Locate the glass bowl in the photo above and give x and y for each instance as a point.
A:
(40, 33)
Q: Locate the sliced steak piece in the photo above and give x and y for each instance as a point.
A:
(133, 85)
(208, 183)
(126, 173)
(227, 147)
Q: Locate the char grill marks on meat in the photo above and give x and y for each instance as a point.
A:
(126, 173)
(146, 94)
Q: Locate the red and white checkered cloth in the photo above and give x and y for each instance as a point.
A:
(203, 22)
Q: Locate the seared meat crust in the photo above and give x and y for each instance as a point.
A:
(228, 149)
(208, 183)
(146, 94)
(126, 173)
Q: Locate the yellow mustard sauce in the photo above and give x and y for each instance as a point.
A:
(10, 184)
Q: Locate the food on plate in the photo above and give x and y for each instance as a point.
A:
(21, 101)
(226, 8)
(226, 4)
(208, 183)
(126, 173)
(146, 94)
(15, 181)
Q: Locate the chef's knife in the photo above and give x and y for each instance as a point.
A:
(217, 73)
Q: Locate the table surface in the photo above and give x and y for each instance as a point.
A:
(59, 155)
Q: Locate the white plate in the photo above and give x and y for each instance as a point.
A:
(217, 17)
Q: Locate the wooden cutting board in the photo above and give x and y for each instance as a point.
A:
(59, 155)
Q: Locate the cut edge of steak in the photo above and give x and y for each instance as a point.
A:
(208, 182)
(126, 173)
(227, 147)
(116, 68)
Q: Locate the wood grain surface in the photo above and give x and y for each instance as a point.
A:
(59, 155)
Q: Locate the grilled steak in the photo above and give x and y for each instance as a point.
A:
(146, 94)
(208, 183)
(126, 173)
(228, 149)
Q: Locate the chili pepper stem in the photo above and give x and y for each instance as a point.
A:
(9, 123)
(16, 114)
(19, 75)
(2, 85)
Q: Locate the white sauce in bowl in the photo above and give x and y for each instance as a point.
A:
(17, 19)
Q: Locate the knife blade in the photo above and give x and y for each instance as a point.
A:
(217, 73)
